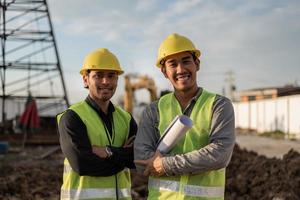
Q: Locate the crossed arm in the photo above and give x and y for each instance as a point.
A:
(83, 158)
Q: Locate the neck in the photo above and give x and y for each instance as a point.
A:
(103, 105)
(184, 97)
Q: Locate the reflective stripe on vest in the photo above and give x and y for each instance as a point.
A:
(190, 190)
(67, 169)
(94, 193)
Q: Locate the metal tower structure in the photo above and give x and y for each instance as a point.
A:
(30, 63)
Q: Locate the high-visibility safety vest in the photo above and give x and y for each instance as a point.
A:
(209, 185)
(92, 187)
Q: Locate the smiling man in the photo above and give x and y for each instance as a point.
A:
(195, 167)
(96, 136)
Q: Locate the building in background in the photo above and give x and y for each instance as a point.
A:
(269, 110)
(268, 93)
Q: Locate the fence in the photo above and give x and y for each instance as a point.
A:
(266, 115)
(15, 107)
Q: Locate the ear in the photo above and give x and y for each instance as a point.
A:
(85, 80)
(197, 62)
(163, 70)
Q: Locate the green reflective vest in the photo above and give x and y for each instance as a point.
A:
(209, 185)
(91, 187)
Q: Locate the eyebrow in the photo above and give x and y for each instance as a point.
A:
(171, 61)
(184, 58)
(109, 73)
(113, 73)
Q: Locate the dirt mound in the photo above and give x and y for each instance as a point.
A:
(248, 176)
(251, 176)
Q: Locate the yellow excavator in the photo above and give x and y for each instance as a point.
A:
(134, 82)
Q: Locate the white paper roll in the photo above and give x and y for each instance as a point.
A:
(174, 132)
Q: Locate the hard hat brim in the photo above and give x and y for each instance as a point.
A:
(120, 72)
(197, 54)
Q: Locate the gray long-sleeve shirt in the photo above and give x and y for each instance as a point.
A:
(215, 155)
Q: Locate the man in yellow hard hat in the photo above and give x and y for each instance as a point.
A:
(195, 167)
(96, 136)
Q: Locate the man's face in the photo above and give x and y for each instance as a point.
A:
(102, 84)
(181, 69)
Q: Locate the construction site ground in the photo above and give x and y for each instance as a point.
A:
(261, 168)
(267, 146)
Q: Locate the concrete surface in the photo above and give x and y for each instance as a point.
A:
(267, 146)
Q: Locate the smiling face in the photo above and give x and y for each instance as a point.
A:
(102, 84)
(181, 69)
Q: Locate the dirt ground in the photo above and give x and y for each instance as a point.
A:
(273, 174)
(25, 176)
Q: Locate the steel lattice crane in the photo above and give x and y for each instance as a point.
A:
(30, 61)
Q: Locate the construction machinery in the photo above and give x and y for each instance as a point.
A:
(134, 82)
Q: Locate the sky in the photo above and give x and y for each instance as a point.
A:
(258, 41)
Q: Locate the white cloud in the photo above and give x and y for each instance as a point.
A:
(146, 5)
(252, 38)
(181, 7)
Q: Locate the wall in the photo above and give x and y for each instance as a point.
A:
(16, 107)
(282, 113)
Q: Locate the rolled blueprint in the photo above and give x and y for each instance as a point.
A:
(174, 132)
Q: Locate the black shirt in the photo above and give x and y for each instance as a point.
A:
(77, 147)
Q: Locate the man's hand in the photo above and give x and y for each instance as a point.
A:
(153, 165)
(129, 142)
(100, 151)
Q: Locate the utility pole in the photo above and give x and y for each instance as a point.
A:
(230, 82)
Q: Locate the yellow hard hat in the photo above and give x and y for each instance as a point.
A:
(175, 43)
(101, 59)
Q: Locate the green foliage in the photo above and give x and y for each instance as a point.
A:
(278, 134)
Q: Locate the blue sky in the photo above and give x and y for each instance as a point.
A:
(257, 40)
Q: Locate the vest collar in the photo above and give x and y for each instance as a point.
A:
(187, 111)
(94, 105)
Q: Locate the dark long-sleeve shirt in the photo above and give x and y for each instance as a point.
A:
(77, 147)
